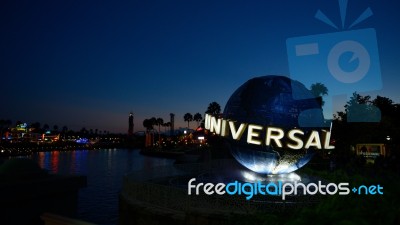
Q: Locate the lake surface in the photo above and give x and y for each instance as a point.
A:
(98, 202)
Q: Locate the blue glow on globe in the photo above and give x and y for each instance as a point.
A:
(268, 101)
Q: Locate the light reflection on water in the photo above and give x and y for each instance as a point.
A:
(98, 202)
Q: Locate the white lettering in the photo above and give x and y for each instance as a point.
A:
(215, 125)
(298, 142)
(253, 134)
(237, 134)
(275, 134)
(314, 140)
(327, 140)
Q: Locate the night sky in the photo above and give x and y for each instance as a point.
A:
(89, 63)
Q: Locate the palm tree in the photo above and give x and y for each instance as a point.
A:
(188, 117)
(213, 108)
(165, 127)
(55, 128)
(159, 122)
(153, 121)
(197, 117)
(148, 124)
(319, 90)
(167, 124)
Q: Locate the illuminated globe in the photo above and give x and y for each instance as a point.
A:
(268, 101)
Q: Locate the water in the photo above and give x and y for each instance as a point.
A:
(98, 202)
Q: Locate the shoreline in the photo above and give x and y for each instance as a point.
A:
(24, 149)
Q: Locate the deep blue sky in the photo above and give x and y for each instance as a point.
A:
(88, 63)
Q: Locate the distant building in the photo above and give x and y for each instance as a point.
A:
(23, 133)
(130, 129)
(371, 151)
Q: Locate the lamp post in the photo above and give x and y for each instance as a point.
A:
(388, 148)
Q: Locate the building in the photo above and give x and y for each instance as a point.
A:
(130, 124)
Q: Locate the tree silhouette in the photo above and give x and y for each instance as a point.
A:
(213, 108)
(188, 118)
(386, 105)
(159, 122)
(147, 123)
(167, 124)
(319, 90)
(197, 117)
(153, 121)
(365, 121)
(360, 109)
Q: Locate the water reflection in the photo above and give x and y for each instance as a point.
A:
(41, 159)
(98, 202)
(54, 160)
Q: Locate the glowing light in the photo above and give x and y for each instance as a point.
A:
(82, 141)
(294, 177)
(280, 168)
(248, 176)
